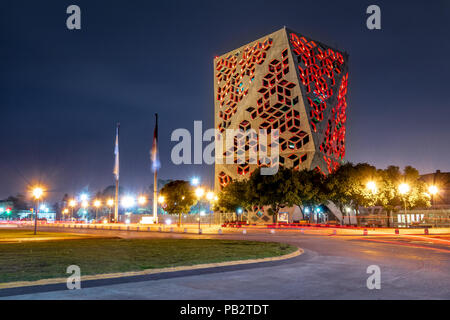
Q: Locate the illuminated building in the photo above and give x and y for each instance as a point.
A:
(286, 82)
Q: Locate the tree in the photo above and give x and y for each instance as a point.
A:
(178, 197)
(311, 188)
(235, 195)
(348, 186)
(275, 191)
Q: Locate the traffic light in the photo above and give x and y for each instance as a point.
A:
(8, 211)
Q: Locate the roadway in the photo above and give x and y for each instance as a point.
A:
(332, 267)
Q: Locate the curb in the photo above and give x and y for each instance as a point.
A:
(18, 284)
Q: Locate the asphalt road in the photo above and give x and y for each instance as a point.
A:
(332, 267)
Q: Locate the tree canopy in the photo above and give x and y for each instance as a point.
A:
(352, 186)
(178, 197)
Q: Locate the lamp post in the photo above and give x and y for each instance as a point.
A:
(161, 200)
(110, 204)
(210, 197)
(199, 192)
(432, 190)
(403, 190)
(37, 194)
(97, 205)
(65, 212)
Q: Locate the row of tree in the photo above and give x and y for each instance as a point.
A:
(350, 186)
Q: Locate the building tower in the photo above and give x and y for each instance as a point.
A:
(288, 82)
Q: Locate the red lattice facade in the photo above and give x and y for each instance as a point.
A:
(284, 83)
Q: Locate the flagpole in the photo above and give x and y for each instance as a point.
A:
(155, 169)
(116, 169)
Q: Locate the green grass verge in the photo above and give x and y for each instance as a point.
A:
(12, 234)
(42, 260)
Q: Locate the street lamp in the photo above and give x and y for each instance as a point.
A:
(199, 192)
(128, 201)
(97, 205)
(37, 192)
(403, 189)
(85, 205)
(161, 199)
(72, 204)
(142, 200)
(110, 204)
(432, 190)
(371, 186)
(195, 181)
(65, 212)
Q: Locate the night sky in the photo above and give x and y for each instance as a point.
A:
(62, 91)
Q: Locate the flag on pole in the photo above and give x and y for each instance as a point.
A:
(116, 153)
(154, 152)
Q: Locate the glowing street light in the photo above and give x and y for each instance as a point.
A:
(432, 190)
(37, 193)
(84, 204)
(371, 186)
(161, 199)
(142, 200)
(199, 192)
(128, 201)
(195, 181)
(404, 188)
(97, 204)
(210, 196)
(84, 197)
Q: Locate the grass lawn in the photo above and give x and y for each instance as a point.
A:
(50, 259)
(6, 234)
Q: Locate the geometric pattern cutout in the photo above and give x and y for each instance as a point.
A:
(285, 82)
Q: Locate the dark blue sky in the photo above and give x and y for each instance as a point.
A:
(62, 91)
